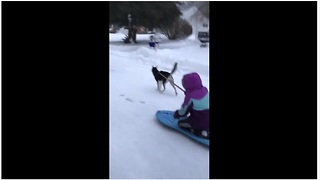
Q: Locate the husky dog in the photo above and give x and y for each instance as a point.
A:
(162, 77)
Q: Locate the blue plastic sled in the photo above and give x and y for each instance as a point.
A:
(166, 117)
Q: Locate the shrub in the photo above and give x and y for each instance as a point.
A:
(180, 29)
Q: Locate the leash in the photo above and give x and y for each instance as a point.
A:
(172, 82)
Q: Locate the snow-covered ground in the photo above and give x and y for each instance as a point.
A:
(141, 147)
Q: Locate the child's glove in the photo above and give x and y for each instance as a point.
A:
(176, 115)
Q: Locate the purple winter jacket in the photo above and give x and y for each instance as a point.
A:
(196, 102)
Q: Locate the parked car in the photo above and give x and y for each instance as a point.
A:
(203, 37)
(112, 28)
(142, 30)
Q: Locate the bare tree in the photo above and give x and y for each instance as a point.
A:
(202, 9)
(179, 30)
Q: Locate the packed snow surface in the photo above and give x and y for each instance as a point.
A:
(140, 146)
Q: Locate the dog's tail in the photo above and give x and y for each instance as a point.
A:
(174, 68)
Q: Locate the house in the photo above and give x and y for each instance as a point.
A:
(113, 28)
(199, 23)
(196, 19)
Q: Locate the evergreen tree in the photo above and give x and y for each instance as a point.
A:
(148, 14)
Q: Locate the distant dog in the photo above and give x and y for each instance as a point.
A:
(162, 77)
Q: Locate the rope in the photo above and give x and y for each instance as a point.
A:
(172, 82)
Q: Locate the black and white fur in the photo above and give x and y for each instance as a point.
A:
(158, 76)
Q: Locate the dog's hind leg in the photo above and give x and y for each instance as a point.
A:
(174, 88)
(171, 81)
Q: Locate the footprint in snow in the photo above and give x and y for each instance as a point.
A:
(128, 99)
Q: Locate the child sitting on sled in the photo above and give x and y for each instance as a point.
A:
(196, 102)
